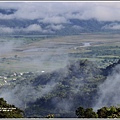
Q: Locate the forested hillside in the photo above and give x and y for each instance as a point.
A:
(9, 111)
(59, 92)
(72, 86)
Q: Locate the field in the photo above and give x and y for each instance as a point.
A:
(36, 53)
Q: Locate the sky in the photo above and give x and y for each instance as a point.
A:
(58, 13)
(49, 11)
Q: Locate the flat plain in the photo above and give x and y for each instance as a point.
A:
(38, 54)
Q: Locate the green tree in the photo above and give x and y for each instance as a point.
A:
(80, 112)
(112, 112)
(86, 113)
(9, 111)
(89, 113)
(102, 113)
(109, 112)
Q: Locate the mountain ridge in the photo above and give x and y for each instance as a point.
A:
(73, 27)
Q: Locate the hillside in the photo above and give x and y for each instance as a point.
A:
(59, 92)
(59, 57)
(9, 111)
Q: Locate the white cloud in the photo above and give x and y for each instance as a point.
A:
(112, 26)
(60, 12)
(36, 28)
(6, 16)
(73, 16)
(55, 27)
(33, 27)
(54, 20)
(77, 27)
(104, 13)
(8, 5)
(109, 90)
(6, 29)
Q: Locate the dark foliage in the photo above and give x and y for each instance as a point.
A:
(9, 111)
(104, 112)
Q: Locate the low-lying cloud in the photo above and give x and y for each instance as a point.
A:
(61, 12)
(54, 20)
(6, 29)
(109, 91)
(31, 28)
(55, 27)
(21, 95)
(112, 26)
(77, 27)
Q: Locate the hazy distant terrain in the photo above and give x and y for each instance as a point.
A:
(58, 56)
(48, 54)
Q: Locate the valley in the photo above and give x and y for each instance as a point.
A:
(55, 75)
(27, 54)
(60, 59)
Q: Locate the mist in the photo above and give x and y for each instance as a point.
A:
(21, 94)
(109, 91)
(8, 45)
(53, 59)
(25, 91)
(49, 59)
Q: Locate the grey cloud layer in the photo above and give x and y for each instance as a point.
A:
(50, 10)
(113, 26)
(33, 27)
(56, 14)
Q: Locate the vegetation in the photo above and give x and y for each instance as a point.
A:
(77, 86)
(86, 113)
(50, 116)
(58, 92)
(61, 91)
(104, 112)
(9, 111)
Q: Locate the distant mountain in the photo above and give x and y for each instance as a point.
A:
(7, 11)
(38, 26)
